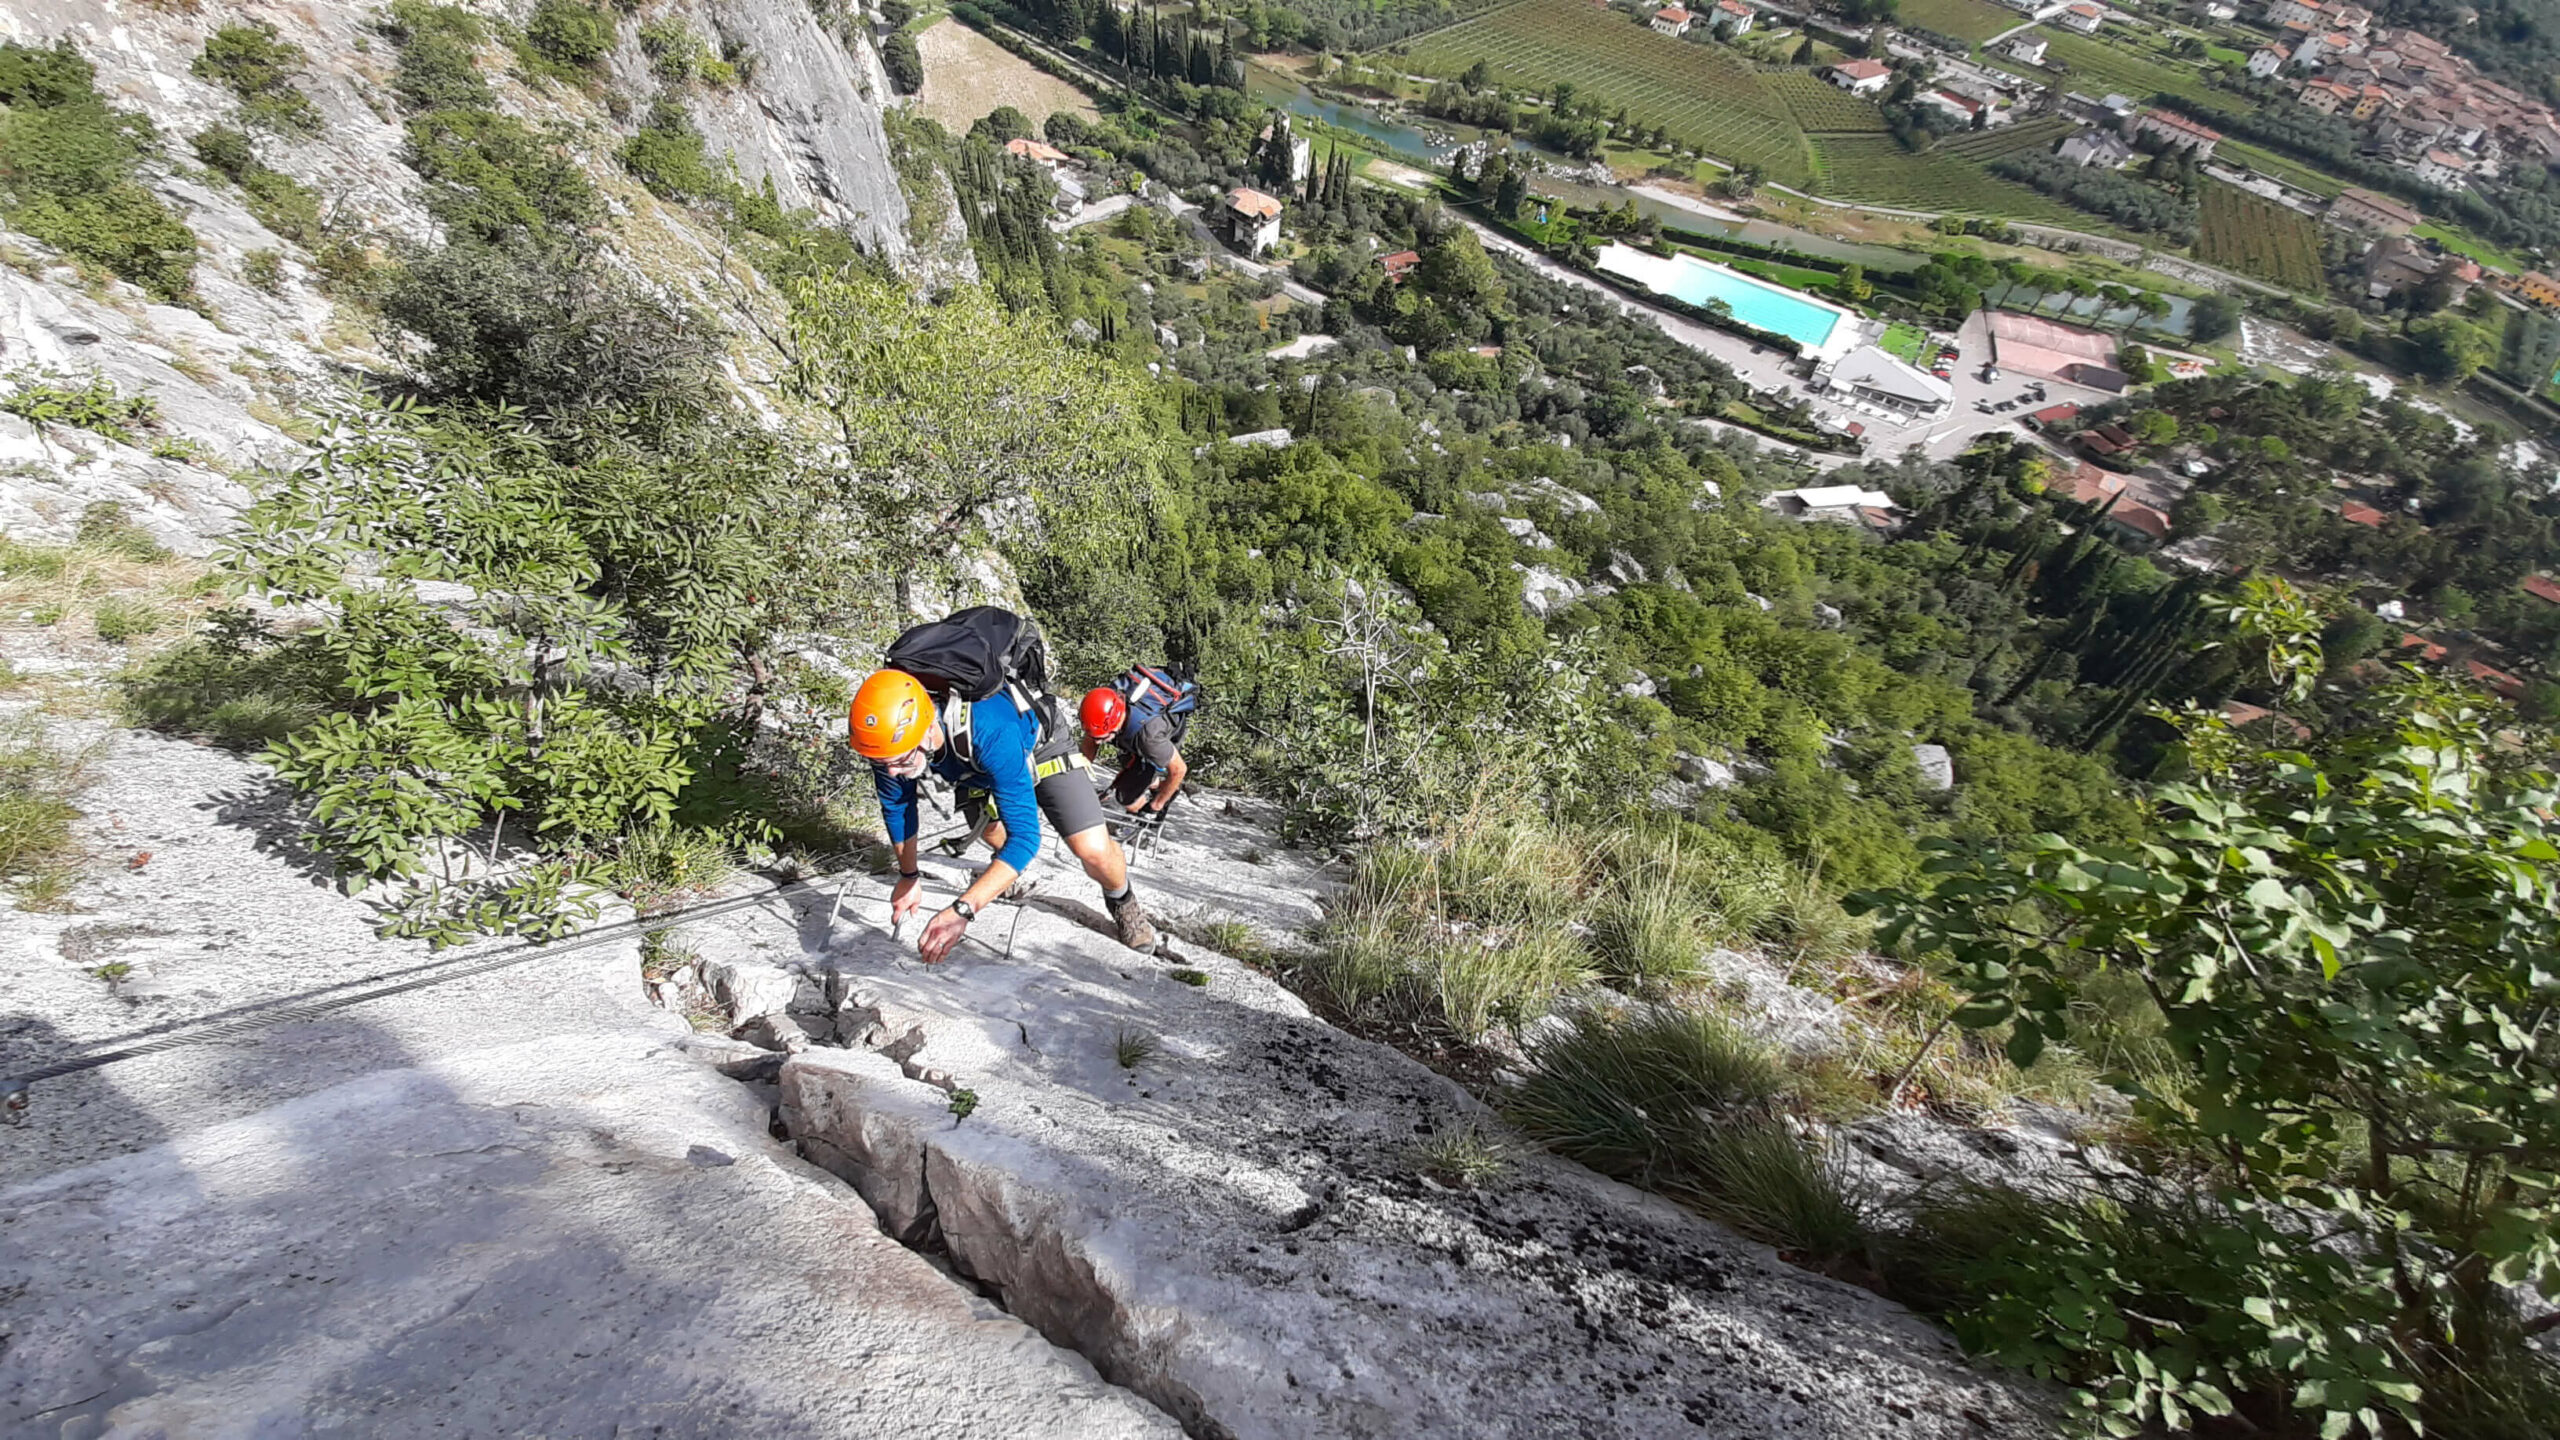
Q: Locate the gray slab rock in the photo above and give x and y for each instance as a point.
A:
(585, 1235)
(1241, 1227)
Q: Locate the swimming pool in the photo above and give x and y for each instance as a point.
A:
(1754, 302)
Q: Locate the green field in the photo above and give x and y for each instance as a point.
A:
(1800, 130)
(1974, 20)
(1701, 94)
(2098, 66)
(2255, 236)
(1876, 169)
(1903, 342)
(2463, 243)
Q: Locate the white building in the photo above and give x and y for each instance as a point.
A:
(1842, 504)
(2095, 147)
(1671, 20)
(1861, 77)
(2084, 18)
(2444, 170)
(2281, 13)
(2025, 46)
(1252, 220)
(1871, 375)
(2267, 60)
(1732, 18)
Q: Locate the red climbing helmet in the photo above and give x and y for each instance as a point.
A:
(1103, 712)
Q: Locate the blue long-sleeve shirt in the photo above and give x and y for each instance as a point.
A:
(1001, 740)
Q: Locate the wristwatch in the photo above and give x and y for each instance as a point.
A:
(964, 910)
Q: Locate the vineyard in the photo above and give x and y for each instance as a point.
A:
(1975, 20)
(1877, 170)
(1984, 145)
(1822, 107)
(2098, 67)
(2256, 236)
(1701, 95)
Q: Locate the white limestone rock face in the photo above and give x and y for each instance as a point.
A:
(589, 1234)
(1937, 768)
(1240, 1228)
(228, 370)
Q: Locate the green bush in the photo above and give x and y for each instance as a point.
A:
(256, 64)
(489, 175)
(437, 48)
(675, 53)
(540, 325)
(667, 155)
(264, 270)
(48, 397)
(280, 202)
(569, 34)
(67, 173)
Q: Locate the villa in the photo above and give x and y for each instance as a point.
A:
(1861, 77)
(2084, 18)
(1252, 220)
(1671, 20)
(1733, 19)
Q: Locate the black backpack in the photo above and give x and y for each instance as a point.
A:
(972, 655)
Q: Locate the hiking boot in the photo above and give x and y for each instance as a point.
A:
(1136, 930)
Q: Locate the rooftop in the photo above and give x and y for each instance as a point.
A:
(1034, 150)
(1247, 201)
(2542, 587)
(1862, 69)
(2356, 512)
(1873, 369)
(2171, 119)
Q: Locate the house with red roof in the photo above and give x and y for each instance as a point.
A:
(1860, 77)
(2177, 131)
(2356, 512)
(2497, 681)
(2427, 649)
(1399, 265)
(2542, 588)
(1672, 20)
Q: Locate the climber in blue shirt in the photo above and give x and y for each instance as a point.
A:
(1006, 778)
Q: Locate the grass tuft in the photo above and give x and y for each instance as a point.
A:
(1465, 1158)
(39, 857)
(1133, 1048)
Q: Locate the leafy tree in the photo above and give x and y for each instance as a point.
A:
(960, 423)
(2210, 317)
(2350, 948)
(569, 33)
(905, 64)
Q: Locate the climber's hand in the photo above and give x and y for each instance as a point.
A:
(942, 935)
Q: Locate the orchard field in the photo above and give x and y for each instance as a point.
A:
(2256, 236)
(1702, 95)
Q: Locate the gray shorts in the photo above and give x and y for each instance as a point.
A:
(1065, 793)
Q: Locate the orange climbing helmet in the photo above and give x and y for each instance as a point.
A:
(891, 713)
(1104, 711)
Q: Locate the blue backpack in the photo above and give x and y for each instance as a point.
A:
(1152, 691)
